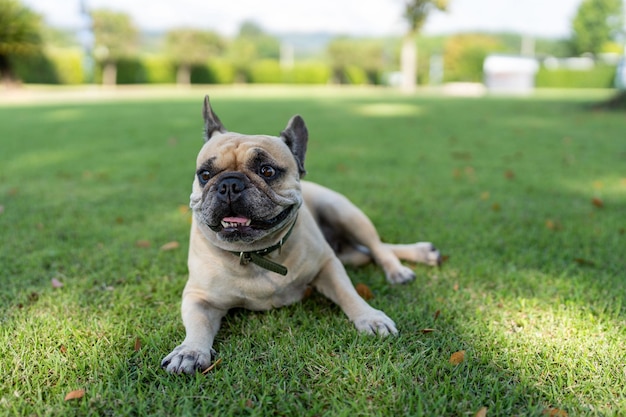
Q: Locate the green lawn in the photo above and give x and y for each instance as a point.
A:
(526, 196)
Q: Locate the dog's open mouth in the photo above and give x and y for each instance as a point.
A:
(235, 222)
(238, 223)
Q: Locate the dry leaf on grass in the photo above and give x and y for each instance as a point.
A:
(170, 246)
(75, 395)
(584, 262)
(143, 243)
(597, 202)
(364, 291)
(427, 330)
(554, 412)
(481, 413)
(137, 344)
(553, 225)
(457, 357)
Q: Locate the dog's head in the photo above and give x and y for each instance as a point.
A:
(247, 187)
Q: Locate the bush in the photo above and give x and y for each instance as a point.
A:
(355, 75)
(131, 71)
(601, 76)
(266, 71)
(310, 73)
(35, 69)
(68, 65)
(54, 66)
(158, 69)
(464, 56)
(223, 71)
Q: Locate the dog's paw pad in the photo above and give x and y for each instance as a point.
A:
(427, 253)
(401, 275)
(376, 323)
(184, 360)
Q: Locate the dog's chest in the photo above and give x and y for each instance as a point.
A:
(265, 289)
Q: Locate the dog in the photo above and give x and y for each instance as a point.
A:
(261, 238)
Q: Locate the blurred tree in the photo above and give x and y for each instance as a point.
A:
(596, 23)
(188, 47)
(366, 54)
(20, 34)
(115, 38)
(464, 56)
(415, 12)
(64, 38)
(267, 46)
(252, 43)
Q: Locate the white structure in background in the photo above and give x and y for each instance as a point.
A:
(510, 74)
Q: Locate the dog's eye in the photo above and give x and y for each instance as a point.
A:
(204, 177)
(267, 171)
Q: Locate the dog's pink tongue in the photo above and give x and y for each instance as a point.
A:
(241, 220)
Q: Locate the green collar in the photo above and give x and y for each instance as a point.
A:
(258, 256)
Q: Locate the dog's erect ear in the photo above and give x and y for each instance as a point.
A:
(296, 136)
(212, 123)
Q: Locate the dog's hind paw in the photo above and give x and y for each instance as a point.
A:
(427, 253)
(184, 360)
(375, 322)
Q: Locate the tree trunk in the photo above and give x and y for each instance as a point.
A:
(7, 78)
(408, 63)
(183, 75)
(109, 74)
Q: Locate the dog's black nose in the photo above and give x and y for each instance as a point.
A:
(230, 187)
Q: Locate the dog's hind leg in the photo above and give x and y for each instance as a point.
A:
(353, 226)
(420, 252)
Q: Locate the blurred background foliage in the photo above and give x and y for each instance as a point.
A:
(32, 52)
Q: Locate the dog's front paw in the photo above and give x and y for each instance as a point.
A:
(186, 360)
(401, 275)
(427, 253)
(375, 322)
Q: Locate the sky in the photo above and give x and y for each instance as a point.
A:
(541, 18)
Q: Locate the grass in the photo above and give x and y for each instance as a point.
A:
(525, 195)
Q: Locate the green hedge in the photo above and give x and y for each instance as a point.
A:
(309, 73)
(65, 66)
(53, 66)
(158, 69)
(131, 71)
(68, 64)
(601, 76)
(215, 71)
(223, 71)
(269, 71)
(355, 75)
(266, 71)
